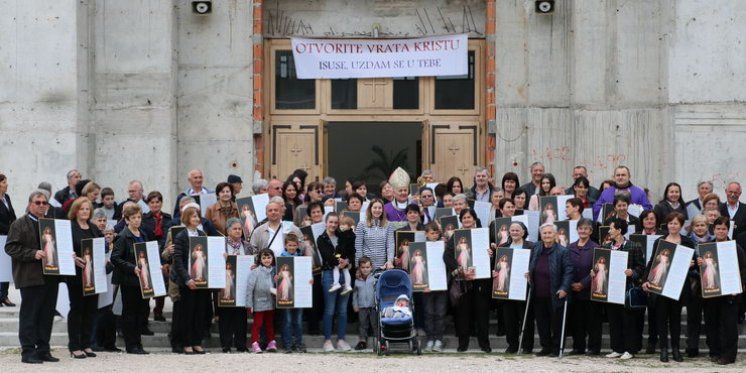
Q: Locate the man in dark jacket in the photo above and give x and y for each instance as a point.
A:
(68, 192)
(550, 274)
(38, 292)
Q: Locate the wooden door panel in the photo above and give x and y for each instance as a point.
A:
(294, 147)
(454, 152)
(376, 93)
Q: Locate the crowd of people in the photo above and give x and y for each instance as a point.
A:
(560, 273)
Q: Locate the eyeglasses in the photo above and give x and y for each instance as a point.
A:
(41, 203)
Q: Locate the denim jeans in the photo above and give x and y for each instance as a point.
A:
(292, 330)
(334, 304)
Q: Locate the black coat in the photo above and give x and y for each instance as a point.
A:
(693, 271)
(124, 260)
(7, 216)
(180, 258)
(78, 235)
(739, 220)
(345, 248)
(62, 195)
(663, 208)
(481, 286)
(148, 225)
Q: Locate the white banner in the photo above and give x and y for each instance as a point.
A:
(350, 58)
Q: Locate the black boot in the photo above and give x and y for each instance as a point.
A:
(676, 354)
(664, 355)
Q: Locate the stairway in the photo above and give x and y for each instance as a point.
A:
(159, 341)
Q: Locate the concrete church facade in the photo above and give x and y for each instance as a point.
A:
(147, 89)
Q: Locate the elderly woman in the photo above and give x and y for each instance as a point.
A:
(585, 315)
(232, 320)
(126, 275)
(550, 276)
(195, 302)
(721, 313)
(699, 233)
(259, 186)
(460, 202)
(224, 209)
(157, 223)
(513, 311)
(474, 303)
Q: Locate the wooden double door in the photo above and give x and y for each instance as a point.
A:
(446, 149)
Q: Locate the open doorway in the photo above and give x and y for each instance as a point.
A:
(372, 150)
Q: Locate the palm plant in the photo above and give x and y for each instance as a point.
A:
(383, 164)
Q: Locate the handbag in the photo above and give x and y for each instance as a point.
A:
(635, 298)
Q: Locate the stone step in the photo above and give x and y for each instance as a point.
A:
(160, 341)
(11, 325)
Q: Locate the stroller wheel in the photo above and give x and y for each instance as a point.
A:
(385, 347)
(418, 347)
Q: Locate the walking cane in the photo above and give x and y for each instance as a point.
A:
(562, 334)
(525, 317)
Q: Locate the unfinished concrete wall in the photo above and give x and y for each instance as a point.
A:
(707, 92)
(373, 18)
(42, 123)
(214, 92)
(586, 85)
(124, 89)
(134, 112)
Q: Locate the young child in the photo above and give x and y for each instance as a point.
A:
(435, 303)
(104, 329)
(292, 317)
(346, 223)
(364, 302)
(260, 301)
(400, 309)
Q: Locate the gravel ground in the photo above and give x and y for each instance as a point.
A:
(360, 362)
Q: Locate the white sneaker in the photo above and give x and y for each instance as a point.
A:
(347, 289)
(438, 346)
(328, 346)
(626, 356)
(613, 355)
(343, 346)
(429, 345)
(273, 291)
(335, 287)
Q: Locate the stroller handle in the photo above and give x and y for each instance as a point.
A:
(377, 272)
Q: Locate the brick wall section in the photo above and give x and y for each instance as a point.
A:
(258, 82)
(490, 83)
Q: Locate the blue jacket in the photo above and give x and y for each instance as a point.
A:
(560, 270)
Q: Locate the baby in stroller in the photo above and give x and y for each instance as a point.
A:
(399, 310)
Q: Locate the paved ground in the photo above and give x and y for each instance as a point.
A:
(350, 362)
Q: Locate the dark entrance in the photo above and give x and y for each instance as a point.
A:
(372, 150)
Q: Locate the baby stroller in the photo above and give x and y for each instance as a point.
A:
(390, 285)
